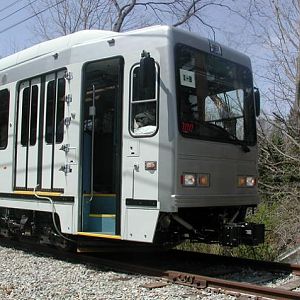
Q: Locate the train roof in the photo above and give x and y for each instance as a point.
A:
(65, 42)
(90, 36)
(53, 46)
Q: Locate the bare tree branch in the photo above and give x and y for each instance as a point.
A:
(123, 13)
(118, 15)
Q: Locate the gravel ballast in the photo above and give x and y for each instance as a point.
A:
(34, 276)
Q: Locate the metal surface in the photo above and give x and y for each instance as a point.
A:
(199, 281)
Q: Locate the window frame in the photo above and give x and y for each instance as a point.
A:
(31, 139)
(251, 123)
(25, 123)
(48, 117)
(4, 146)
(54, 125)
(131, 101)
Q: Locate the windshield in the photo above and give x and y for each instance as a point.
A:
(215, 97)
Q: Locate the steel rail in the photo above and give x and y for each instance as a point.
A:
(202, 282)
(197, 281)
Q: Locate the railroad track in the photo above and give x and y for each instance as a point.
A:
(204, 278)
(239, 288)
(232, 287)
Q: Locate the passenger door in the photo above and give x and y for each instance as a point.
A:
(140, 161)
(40, 133)
(52, 178)
(101, 159)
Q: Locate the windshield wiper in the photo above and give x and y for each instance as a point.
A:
(222, 130)
(244, 146)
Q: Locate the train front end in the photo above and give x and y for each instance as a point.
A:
(215, 159)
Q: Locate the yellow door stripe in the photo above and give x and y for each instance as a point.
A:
(40, 193)
(102, 216)
(100, 235)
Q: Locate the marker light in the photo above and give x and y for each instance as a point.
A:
(188, 179)
(203, 180)
(246, 181)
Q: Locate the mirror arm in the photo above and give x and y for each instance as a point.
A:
(147, 70)
(257, 101)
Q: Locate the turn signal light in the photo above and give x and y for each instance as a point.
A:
(203, 180)
(246, 181)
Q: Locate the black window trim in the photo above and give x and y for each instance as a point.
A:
(6, 143)
(54, 117)
(47, 83)
(29, 87)
(36, 114)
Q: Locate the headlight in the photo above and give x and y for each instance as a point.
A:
(246, 181)
(188, 179)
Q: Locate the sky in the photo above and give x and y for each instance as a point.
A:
(18, 37)
(16, 30)
(230, 27)
(21, 36)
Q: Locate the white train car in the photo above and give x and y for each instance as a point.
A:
(145, 136)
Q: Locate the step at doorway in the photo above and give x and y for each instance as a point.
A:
(99, 215)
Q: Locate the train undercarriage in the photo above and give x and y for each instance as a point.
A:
(223, 225)
(36, 226)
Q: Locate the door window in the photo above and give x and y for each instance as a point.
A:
(55, 111)
(143, 107)
(4, 112)
(29, 115)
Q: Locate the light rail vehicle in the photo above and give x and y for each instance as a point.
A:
(142, 136)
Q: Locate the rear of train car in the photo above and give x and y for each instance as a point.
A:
(145, 136)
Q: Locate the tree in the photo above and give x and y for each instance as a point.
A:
(279, 128)
(67, 16)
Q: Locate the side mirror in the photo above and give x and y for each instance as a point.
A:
(147, 71)
(257, 101)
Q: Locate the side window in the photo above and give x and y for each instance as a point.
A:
(33, 114)
(25, 116)
(143, 107)
(60, 111)
(4, 112)
(29, 115)
(55, 111)
(50, 112)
